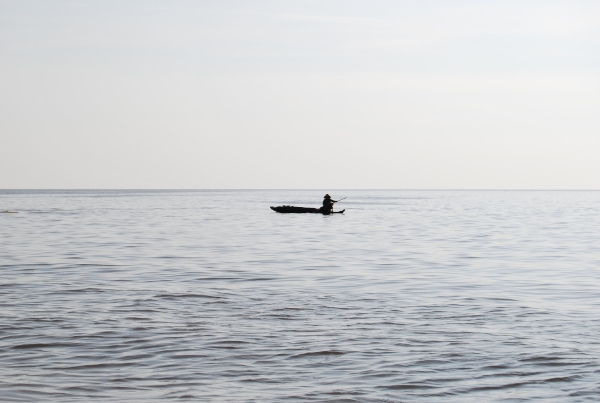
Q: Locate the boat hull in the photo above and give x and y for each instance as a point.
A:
(302, 210)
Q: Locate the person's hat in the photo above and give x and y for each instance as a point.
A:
(328, 196)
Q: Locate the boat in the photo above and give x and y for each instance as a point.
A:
(302, 210)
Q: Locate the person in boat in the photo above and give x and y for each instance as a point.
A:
(328, 204)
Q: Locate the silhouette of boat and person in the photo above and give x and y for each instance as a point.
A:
(325, 209)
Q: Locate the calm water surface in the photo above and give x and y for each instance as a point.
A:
(410, 296)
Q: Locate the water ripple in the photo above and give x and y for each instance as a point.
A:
(411, 296)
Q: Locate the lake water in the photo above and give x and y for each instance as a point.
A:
(410, 296)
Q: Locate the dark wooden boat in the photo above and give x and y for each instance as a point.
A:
(302, 210)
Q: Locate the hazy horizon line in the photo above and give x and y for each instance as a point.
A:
(304, 189)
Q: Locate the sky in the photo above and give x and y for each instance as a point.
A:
(300, 94)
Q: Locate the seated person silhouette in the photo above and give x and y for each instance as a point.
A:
(327, 205)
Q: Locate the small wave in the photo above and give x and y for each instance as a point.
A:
(319, 354)
(32, 346)
(561, 379)
(408, 386)
(177, 296)
(79, 290)
(503, 386)
(14, 397)
(539, 358)
(102, 365)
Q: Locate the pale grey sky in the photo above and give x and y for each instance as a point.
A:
(300, 94)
